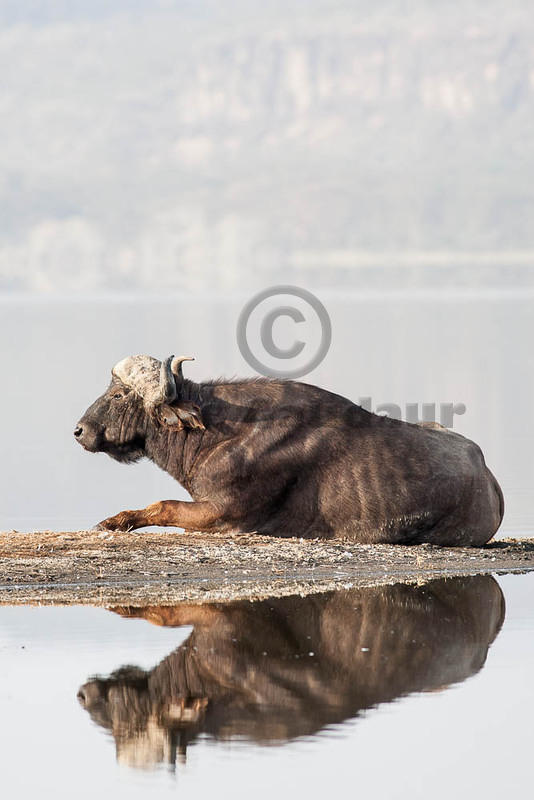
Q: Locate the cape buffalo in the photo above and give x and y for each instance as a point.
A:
(273, 670)
(289, 459)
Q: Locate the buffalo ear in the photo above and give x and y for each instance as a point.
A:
(169, 416)
(184, 415)
(190, 415)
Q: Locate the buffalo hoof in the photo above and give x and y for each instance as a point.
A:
(120, 522)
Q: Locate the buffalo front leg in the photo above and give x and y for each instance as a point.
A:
(166, 513)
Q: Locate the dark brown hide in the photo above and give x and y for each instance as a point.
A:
(289, 459)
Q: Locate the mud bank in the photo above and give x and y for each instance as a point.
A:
(87, 567)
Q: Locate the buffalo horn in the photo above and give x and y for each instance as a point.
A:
(176, 364)
(167, 384)
(152, 380)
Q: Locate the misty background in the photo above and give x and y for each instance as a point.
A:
(191, 145)
(160, 162)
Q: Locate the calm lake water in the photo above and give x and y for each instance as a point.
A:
(397, 692)
(466, 346)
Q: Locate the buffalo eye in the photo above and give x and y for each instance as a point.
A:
(118, 396)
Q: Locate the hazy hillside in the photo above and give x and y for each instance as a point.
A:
(195, 145)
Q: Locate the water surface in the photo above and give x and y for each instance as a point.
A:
(391, 691)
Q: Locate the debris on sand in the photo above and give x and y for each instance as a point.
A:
(87, 567)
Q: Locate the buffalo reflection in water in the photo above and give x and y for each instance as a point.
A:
(273, 670)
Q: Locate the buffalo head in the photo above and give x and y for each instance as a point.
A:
(143, 392)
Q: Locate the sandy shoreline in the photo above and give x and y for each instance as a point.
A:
(86, 567)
